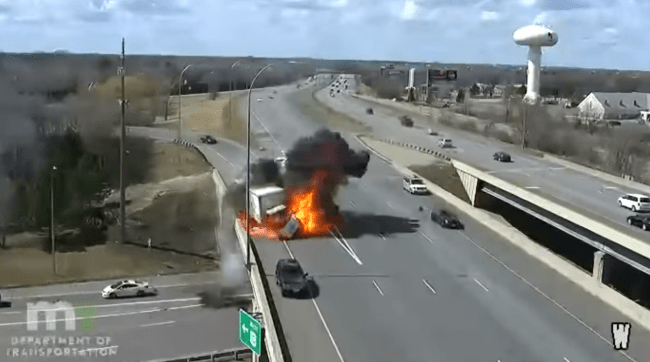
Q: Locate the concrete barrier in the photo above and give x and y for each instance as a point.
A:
(259, 291)
(582, 279)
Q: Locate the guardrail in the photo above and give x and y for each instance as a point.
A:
(230, 355)
(417, 148)
(191, 146)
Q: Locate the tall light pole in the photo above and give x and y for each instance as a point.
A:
(230, 88)
(180, 86)
(248, 170)
(52, 218)
(121, 71)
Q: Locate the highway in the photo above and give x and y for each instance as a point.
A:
(421, 293)
(176, 323)
(586, 194)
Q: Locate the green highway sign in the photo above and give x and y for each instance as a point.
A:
(250, 332)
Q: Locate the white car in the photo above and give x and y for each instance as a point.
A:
(128, 288)
(444, 143)
(635, 202)
(414, 185)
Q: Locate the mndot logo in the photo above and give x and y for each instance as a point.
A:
(50, 310)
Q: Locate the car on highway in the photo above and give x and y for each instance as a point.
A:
(446, 219)
(208, 139)
(128, 288)
(414, 185)
(445, 143)
(259, 99)
(270, 97)
(432, 132)
(641, 221)
(406, 121)
(634, 202)
(502, 157)
(370, 111)
(291, 278)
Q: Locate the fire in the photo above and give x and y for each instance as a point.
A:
(311, 204)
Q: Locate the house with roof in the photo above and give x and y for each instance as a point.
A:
(599, 106)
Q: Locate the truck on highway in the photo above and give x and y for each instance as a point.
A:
(265, 201)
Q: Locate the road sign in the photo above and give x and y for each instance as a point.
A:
(250, 332)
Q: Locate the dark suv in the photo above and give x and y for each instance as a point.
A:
(502, 157)
(291, 278)
(446, 220)
(640, 221)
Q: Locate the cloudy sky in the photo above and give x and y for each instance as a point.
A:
(593, 33)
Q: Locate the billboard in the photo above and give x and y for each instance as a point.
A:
(436, 75)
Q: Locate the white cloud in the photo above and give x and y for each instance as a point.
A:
(490, 16)
(410, 10)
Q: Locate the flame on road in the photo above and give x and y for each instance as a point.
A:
(311, 204)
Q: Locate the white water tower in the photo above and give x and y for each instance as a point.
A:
(535, 37)
(410, 97)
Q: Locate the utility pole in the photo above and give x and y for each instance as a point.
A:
(52, 218)
(523, 127)
(121, 71)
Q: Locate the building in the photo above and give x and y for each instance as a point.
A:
(599, 106)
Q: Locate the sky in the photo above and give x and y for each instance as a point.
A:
(609, 34)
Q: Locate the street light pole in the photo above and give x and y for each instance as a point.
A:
(230, 93)
(52, 218)
(122, 154)
(248, 170)
(523, 126)
(180, 86)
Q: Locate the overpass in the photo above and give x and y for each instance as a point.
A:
(606, 237)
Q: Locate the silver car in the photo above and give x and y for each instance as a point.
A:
(128, 288)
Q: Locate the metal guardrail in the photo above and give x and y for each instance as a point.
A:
(230, 355)
(417, 148)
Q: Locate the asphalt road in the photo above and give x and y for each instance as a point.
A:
(586, 194)
(176, 323)
(421, 293)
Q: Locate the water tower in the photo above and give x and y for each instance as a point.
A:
(535, 37)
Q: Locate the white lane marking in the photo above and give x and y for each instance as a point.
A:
(266, 129)
(610, 187)
(99, 292)
(532, 187)
(344, 244)
(225, 159)
(288, 250)
(10, 312)
(131, 303)
(429, 286)
(382, 236)
(566, 359)
(482, 286)
(112, 315)
(158, 324)
(557, 168)
(388, 203)
(378, 288)
(329, 333)
(426, 237)
(543, 294)
(352, 203)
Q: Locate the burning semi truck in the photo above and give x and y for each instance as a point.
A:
(304, 206)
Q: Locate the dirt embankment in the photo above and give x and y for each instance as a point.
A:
(175, 207)
(201, 113)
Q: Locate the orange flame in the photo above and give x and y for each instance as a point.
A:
(307, 204)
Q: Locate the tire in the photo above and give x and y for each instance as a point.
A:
(140, 293)
(284, 293)
(112, 296)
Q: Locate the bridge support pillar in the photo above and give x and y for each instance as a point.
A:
(599, 265)
(470, 184)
